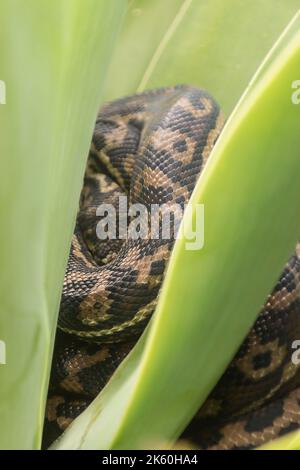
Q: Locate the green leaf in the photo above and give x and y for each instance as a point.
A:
(213, 44)
(211, 297)
(53, 60)
(290, 441)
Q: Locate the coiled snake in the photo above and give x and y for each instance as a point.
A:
(151, 147)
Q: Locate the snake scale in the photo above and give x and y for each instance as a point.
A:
(152, 147)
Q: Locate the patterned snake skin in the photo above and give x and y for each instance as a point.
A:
(152, 147)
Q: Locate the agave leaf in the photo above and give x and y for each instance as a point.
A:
(210, 297)
(214, 44)
(52, 62)
(290, 441)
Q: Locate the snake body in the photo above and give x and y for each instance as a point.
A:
(151, 148)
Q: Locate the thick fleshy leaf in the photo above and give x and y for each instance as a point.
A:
(213, 44)
(289, 442)
(53, 60)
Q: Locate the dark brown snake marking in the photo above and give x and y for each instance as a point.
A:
(152, 148)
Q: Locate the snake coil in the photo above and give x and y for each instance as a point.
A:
(151, 148)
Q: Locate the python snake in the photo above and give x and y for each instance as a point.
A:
(152, 147)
